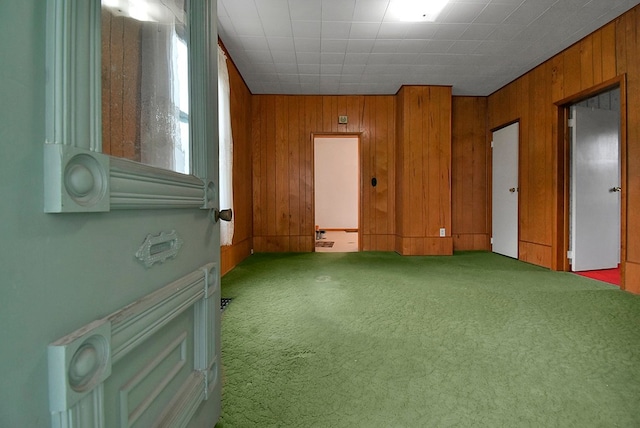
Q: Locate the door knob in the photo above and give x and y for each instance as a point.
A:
(512, 190)
(616, 189)
(225, 215)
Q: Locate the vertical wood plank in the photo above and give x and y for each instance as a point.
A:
(131, 70)
(116, 85)
(106, 82)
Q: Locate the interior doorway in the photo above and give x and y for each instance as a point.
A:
(505, 190)
(337, 192)
(595, 183)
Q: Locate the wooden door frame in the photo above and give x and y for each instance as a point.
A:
(562, 182)
(490, 179)
(358, 135)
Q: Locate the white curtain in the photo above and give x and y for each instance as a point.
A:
(164, 137)
(225, 147)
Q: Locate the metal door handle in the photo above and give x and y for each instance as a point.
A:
(225, 215)
(512, 190)
(616, 189)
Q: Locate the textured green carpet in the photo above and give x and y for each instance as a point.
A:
(380, 340)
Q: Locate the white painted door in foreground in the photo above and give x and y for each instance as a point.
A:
(505, 191)
(595, 189)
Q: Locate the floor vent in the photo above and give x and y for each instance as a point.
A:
(224, 302)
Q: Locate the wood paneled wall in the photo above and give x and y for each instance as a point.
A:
(423, 201)
(470, 224)
(240, 102)
(120, 86)
(611, 51)
(282, 131)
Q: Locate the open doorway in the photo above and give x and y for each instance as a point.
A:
(595, 186)
(337, 192)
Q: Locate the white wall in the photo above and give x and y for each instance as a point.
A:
(336, 176)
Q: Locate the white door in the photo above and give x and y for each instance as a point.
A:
(504, 223)
(595, 191)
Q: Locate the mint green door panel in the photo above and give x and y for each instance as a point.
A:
(61, 272)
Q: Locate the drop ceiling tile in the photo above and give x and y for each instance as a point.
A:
(350, 87)
(451, 31)
(272, 88)
(505, 32)
(263, 67)
(253, 43)
(290, 88)
(495, 47)
(464, 47)
(287, 78)
(338, 10)
(353, 68)
(309, 68)
(275, 18)
(306, 29)
(310, 88)
(310, 79)
(246, 20)
(478, 32)
(308, 57)
(370, 10)
(332, 58)
(281, 43)
(495, 13)
(404, 59)
(360, 46)
(438, 46)
(385, 46)
(330, 79)
(260, 57)
(421, 30)
(333, 46)
(350, 78)
(356, 58)
(412, 46)
(221, 10)
(527, 13)
(335, 30)
(265, 77)
(285, 57)
(364, 30)
(393, 30)
(304, 10)
(378, 59)
(461, 13)
(307, 45)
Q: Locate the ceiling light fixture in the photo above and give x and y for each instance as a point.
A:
(417, 10)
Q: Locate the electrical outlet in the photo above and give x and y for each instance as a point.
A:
(443, 232)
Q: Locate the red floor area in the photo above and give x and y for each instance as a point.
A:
(612, 276)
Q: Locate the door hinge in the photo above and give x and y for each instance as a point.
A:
(570, 255)
(571, 123)
(492, 240)
(492, 144)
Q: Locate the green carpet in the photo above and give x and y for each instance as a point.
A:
(380, 340)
